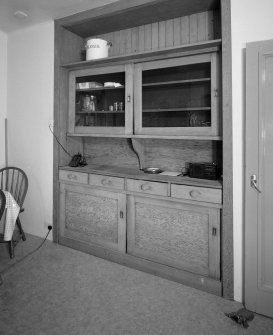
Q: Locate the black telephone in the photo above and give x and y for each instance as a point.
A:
(77, 160)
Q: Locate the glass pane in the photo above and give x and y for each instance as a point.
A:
(177, 96)
(100, 100)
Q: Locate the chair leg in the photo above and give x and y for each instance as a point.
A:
(11, 249)
(20, 229)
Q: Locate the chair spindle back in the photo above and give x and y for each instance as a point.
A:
(15, 181)
(2, 203)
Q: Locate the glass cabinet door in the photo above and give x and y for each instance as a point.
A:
(177, 96)
(100, 100)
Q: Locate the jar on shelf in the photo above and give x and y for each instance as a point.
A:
(93, 103)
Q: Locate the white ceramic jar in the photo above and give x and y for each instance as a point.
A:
(97, 48)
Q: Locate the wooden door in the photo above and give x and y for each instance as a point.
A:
(93, 216)
(182, 236)
(259, 178)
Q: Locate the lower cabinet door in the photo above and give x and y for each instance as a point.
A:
(93, 216)
(179, 235)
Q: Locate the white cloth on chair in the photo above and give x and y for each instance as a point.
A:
(12, 211)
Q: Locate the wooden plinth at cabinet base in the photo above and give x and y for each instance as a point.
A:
(183, 277)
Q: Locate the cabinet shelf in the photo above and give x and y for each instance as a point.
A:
(189, 109)
(162, 137)
(99, 89)
(100, 112)
(177, 82)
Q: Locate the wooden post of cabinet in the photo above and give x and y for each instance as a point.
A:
(129, 71)
(215, 95)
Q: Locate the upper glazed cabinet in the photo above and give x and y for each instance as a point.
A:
(101, 100)
(177, 96)
(174, 96)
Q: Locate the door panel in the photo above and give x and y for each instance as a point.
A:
(183, 236)
(100, 100)
(93, 216)
(259, 162)
(178, 96)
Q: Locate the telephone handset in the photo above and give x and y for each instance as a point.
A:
(77, 160)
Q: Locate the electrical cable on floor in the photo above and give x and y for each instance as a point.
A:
(26, 256)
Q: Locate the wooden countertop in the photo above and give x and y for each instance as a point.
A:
(129, 172)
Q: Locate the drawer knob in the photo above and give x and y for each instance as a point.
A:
(72, 176)
(105, 182)
(145, 187)
(194, 193)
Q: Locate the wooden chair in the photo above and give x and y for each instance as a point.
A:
(15, 181)
(2, 209)
(2, 203)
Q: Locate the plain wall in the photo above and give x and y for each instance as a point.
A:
(30, 108)
(3, 94)
(250, 21)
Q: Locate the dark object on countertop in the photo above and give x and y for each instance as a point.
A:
(203, 170)
(152, 170)
(242, 316)
(77, 160)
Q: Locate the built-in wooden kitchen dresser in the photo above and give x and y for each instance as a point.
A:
(160, 99)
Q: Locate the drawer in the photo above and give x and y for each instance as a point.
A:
(148, 187)
(77, 177)
(106, 181)
(196, 193)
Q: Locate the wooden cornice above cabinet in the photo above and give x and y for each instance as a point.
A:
(130, 13)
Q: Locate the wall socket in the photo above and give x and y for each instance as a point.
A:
(46, 224)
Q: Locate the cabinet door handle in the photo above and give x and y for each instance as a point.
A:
(145, 187)
(106, 182)
(194, 193)
(214, 231)
(72, 176)
(128, 98)
(121, 214)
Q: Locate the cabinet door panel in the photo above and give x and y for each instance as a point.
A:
(100, 100)
(175, 234)
(93, 216)
(177, 96)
